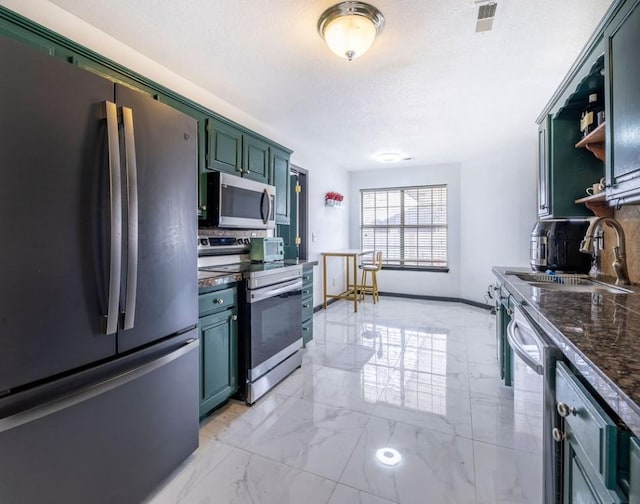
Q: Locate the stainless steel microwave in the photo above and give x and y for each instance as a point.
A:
(236, 202)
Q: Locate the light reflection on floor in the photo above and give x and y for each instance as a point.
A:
(413, 376)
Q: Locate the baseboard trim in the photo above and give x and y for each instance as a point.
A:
(320, 307)
(425, 298)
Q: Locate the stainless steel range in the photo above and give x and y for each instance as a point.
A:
(270, 316)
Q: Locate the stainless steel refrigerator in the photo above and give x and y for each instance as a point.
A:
(98, 285)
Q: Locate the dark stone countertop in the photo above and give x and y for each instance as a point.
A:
(215, 278)
(599, 333)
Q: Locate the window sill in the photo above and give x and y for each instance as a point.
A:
(430, 269)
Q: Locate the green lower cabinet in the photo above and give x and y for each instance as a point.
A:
(307, 304)
(504, 310)
(581, 484)
(218, 359)
(592, 441)
(307, 331)
(634, 471)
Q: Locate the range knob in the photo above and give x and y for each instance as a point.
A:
(204, 241)
(239, 241)
(247, 241)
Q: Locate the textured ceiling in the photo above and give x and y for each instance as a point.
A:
(430, 86)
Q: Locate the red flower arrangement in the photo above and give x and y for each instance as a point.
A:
(336, 196)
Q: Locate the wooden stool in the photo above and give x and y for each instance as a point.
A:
(372, 268)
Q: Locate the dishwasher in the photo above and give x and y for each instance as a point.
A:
(535, 416)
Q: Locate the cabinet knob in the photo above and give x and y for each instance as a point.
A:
(305, 306)
(218, 301)
(235, 317)
(564, 410)
(558, 435)
(542, 207)
(509, 312)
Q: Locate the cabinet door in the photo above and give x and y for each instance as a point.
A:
(622, 93)
(580, 484)
(255, 160)
(634, 472)
(225, 147)
(577, 489)
(218, 359)
(544, 205)
(281, 179)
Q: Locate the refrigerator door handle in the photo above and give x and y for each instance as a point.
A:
(132, 217)
(115, 217)
(37, 412)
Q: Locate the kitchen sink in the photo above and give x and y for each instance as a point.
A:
(568, 283)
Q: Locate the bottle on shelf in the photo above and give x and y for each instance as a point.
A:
(592, 116)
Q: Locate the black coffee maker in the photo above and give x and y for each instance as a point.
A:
(555, 246)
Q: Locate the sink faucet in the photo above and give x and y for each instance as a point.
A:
(619, 261)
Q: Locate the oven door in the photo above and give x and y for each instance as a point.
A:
(275, 314)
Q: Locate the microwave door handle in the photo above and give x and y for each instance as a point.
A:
(132, 220)
(270, 206)
(265, 196)
(115, 218)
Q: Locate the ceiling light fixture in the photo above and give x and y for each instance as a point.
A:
(349, 28)
(391, 157)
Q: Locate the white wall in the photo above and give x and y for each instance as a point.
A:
(412, 282)
(331, 228)
(491, 215)
(498, 209)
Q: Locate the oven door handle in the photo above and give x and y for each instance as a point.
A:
(517, 342)
(275, 290)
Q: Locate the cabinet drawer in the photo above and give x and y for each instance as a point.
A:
(215, 301)
(307, 308)
(592, 431)
(307, 331)
(307, 278)
(307, 291)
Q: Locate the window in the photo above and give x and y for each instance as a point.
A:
(408, 224)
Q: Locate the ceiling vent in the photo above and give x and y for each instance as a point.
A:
(486, 15)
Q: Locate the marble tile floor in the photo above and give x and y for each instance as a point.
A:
(420, 377)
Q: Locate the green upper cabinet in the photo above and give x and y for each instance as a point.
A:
(225, 147)
(279, 161)
(234, 150)
(565, 171)
(622, 38)
(255, 159)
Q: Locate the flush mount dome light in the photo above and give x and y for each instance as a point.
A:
(388, 456)
(349, 28)
(388, 157)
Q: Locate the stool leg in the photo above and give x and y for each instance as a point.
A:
(374, 286)
(363, 284)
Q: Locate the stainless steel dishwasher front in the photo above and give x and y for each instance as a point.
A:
(535, 357)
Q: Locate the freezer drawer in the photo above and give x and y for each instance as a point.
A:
(112, 442)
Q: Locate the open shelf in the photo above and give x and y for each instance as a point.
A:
(597, 204)
(594, 142)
